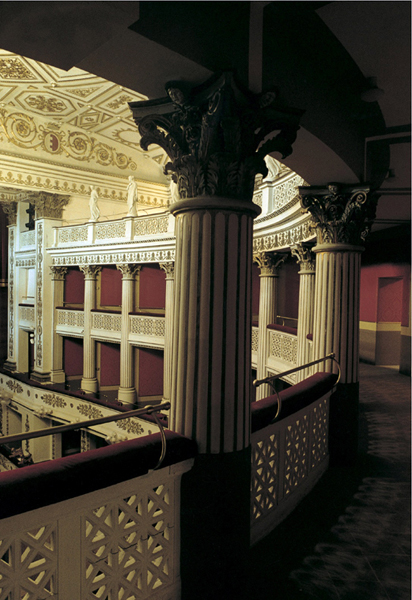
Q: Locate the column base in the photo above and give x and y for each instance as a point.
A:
(40, 377)
(10, 366)
(215, 526)
(344, 424)
(58, 376)
(89, 384)
(126, 395)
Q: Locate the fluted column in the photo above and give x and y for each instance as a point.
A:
(169, 269)
(214, 136)
(343, 217)
(57, 274)
(269, 264)
(306, 261)
(127, 391)
(89, 379)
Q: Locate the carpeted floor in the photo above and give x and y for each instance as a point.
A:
(351, 538)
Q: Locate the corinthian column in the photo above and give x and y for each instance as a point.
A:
(343, 216)
(268, 264)
(89, 379)
(213, 139)
(306, 261)
(169, 269)
(127, 392)
(58, 274)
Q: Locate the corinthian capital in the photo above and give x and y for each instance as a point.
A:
(169, 269)
(10, 209)
(48, 205)
(129, 270)
(342, 214)
(58, 273)
(213, 135)
(90, 271)
(269, 263)
(304, 257)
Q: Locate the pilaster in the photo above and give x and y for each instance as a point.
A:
(169, 269)
(342, 216)
(10, 208)
(127, 392)
(57, 276)
(307, 264)
(89, 379)
(268, 263)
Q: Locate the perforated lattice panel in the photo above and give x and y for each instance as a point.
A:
(127, 547)
(319, 438)
(28, 565)
(265, 476)
(296, 453)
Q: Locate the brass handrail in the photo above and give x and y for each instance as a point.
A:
(286, 318)
(258, 382)
(28, 435)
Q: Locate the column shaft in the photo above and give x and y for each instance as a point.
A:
(169, 320)
(127, 392)
(212, 325)
(89, 380)
(267, 315)
(57, 374)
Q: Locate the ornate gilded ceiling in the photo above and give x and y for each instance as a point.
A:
(74, 98)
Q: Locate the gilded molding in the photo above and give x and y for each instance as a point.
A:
(39, 297)
(269, 263)
(213, 135)
(26, 262)
(82, 260)
(284, 238)
(342, 214)
(304, 257)
(23, 131)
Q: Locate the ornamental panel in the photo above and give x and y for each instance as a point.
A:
(70, 318)
(128, 546)
(27, 238)
(320, 433)
(296, 454)
(68, 235)
(115, 229)
(283, 346)
(150, 226)
(151, 326)
(106, 322)
(255, 339)
(265, 476)
(28, 564)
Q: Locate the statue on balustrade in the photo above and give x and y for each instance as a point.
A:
(94, 210)
(132, 197)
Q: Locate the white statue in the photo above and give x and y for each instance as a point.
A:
(94, 210)
(273, 166)
(131, 197)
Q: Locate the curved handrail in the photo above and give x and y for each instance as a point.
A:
(162, 435)
(258, 382)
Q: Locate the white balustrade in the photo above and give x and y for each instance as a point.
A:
(26, 317)
(147, 331)
(70, 322)
(122, 541)
(288, 458)
(282, 353)
(255, 345)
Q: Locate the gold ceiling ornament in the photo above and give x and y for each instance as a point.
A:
(82, 92)
(13, 68)
(21, 129)
(120, 101)
(46, 104)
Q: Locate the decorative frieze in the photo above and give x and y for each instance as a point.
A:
(26, 262)
(14, 386)
(53, 400)
(284, 238)
(89, 411)
(82, 259)
(130, 425)
(342, 214)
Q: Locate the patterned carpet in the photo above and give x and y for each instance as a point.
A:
(351, 539)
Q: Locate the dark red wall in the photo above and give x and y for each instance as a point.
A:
(110, 286)
(152, 287)
(150, 372)
(381, 281)
(3, 247)
(109, 364)
(288, 289)
(255, 290)
(74, 286)
(73, 356)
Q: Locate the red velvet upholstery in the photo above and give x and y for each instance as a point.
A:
(283, 328)
(39, 485)
(293, 399)
(309, 336)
